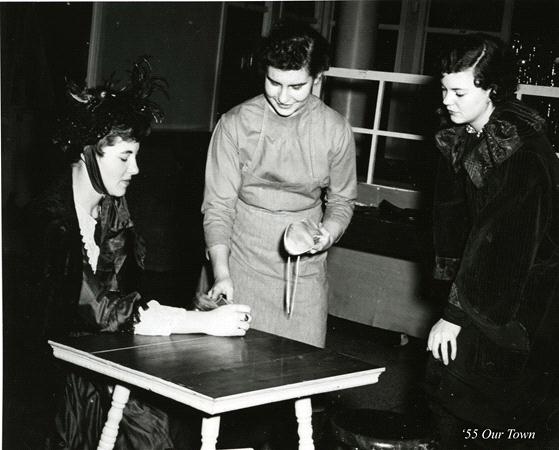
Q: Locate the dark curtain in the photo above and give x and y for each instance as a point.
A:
(41, 43)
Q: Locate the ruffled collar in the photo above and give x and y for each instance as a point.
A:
(87, 230)
(501, 137)
(114, 217)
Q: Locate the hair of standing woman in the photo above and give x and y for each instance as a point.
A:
(294, 46)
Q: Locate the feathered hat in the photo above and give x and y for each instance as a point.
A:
(93, 112)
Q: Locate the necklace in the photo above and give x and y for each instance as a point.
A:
(472, 130)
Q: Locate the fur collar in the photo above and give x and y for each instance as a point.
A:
(509, 125)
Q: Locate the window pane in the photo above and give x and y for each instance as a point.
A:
(385, 50)
(298, 10)
(362, 152)
(410, 108)
(548, 108)
(405, 163)
(529, 17)
(481, 15)
(407, 109)
(389, 11)
(535, 40)
(353, 99)
(536, 54)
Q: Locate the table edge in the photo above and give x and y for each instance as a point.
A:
(203, 402)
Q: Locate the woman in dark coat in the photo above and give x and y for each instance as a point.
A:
(87, 258)
(497, 239)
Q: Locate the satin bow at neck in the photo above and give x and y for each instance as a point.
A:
(114, 216)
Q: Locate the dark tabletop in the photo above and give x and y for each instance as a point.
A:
(219, 367)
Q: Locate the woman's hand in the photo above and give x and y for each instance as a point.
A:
(161, 320)
(222, 286)
(228, 320)
(322, 240)
(442, 335)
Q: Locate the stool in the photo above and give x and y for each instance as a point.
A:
(368, 429)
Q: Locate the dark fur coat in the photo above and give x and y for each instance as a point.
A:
(496, 233)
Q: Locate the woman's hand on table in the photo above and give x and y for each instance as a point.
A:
(162, 320)
(442, 335)
(322, 240)
(228, 320)
(222, 287)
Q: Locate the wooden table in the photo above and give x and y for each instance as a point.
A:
(216, 374)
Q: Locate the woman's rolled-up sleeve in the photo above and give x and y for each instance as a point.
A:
(223, 179)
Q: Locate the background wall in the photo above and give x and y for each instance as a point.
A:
(183, 40)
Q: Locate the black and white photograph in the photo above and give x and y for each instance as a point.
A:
(280, 225)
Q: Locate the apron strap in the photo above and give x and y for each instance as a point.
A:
(290, 294)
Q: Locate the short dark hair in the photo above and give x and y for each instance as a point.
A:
(492, 60)
(293, 46)
(127, 134)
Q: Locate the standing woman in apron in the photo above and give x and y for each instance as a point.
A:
(275, 159)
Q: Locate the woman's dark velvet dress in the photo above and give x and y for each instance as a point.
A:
(497, 238)
(69, 299)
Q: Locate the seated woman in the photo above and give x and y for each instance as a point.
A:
(87, 259)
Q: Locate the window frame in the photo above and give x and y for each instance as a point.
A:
(408, 197)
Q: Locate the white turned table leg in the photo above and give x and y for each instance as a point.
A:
(110, 430)
(303, 411)
(210, 431)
